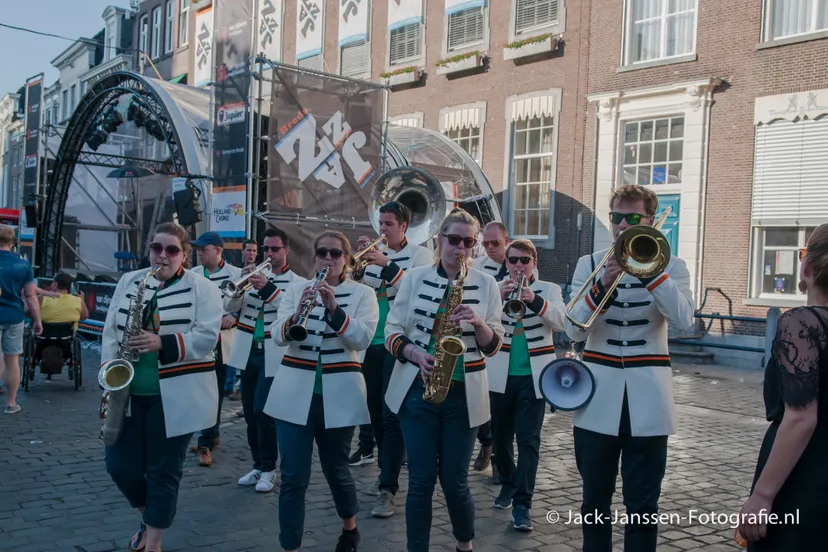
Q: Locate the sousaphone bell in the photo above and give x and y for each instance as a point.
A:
(417, 189)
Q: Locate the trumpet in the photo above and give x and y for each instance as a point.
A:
(299, 331)
(514, 307)
(359, 267)
(238, 288)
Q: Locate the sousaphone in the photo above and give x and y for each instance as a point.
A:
(417, 189)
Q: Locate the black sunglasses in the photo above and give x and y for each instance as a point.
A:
(334, 253)
(524, 260)
(273, 248)
(454, 239)
(632, 218)
(171, 250)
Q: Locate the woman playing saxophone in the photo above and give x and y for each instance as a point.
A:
(173, 392)
(440, 432)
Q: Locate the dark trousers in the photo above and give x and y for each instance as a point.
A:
(393, 445)
(484, 434)
(333, 446)
(207, 436)
(372, 370)
(439, 442)
(642, 469)
(517, 414)
(366, 438)
(145, 464)
(261, 428)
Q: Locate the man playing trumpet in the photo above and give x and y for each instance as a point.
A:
(384, 274)
(257, 356)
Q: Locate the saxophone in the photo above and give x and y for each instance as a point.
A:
(450, 346)
(116, 375)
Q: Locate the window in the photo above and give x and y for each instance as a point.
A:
(142, 44)
(787, 18)
(464, 126)
(535, 14)
(184, 23)
(354, 58)
(64, 105)
(653, 151)
(48, 116)
(109, 46)
(155, 47)
(533, 170)
(405, 44)
(777, 268)
(311, 62)
(169, 25)
(468, 139)
(659, 29)
(411, 120)
(73, 96)
(466, 28)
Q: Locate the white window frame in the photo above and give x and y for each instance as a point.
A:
(73, 97)
(757, 259)
(482, 46)
(767, 22)
(416, 116)
(184, 24)
(169, 26)
(481, 123)
(555, 94)
(665, 187)
(143, 43)
(557, 27)
(109, 41)
(627, 37)
(406, 62)
(155, 47)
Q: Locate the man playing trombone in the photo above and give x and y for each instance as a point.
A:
(624, 320)
(256, 355)
(384, 273)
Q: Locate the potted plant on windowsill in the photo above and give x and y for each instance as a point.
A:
(403, 76)
(532, 46)
(460, 62)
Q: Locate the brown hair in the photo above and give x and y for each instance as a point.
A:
(346, 245)
(455, 216)
(634, 192)
(179, 232)
(524, 245)
(817, 255)
(6, 235)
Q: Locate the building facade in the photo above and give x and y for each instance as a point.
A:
(161, 39)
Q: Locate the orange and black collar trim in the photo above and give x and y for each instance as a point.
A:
(285, 268)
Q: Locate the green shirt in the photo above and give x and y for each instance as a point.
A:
(145, 381)
(519, 364)
(259, 331)
(460, 367)
(317, 384)
(382, 300)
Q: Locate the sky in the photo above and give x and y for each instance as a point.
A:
(25, 54)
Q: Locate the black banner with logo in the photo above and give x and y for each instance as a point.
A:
(31, 147)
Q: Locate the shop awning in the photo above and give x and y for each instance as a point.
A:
(179, 78)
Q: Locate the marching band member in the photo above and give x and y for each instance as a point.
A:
(209, 250)
(384, 274)
(517, 404)
(632, 412)
(257, 356)
(439, 438)
(173, 392)
(319, 391)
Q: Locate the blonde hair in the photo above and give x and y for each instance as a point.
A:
(634, 192)
(524, 245)
(457, 215)
(6, 235)
(179, 232)
(346, 246)
(817, 256)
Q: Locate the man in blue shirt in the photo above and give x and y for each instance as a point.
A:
(16, 286)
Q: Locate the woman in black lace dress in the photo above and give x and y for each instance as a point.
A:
(792, 470)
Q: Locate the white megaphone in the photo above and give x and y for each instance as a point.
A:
(566, 383)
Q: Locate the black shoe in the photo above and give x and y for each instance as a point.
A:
(348, 541)
(504, 499)
(361, 457)
(521, 520)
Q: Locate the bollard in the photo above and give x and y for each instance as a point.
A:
(770, 331)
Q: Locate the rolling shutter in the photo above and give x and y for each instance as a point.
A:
(465, 28)
(533, 14)
(354, 59)
(406, 43)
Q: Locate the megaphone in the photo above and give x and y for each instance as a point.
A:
(567, 384)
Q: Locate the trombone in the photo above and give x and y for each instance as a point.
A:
(359, 267)
(238, 288)
(640, 251)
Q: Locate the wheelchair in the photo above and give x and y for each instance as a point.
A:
(58, 346)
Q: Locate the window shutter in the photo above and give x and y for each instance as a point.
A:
(406, 43)
(465, 28)
(354, 59)
(312, 62)
(790, 168)
(532, 14)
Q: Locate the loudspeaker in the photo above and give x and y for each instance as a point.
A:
(31, 215)
(567, 384)
(186, 205)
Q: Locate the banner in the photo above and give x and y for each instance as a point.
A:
(326, 140)
(310, 15)
(228, 218)
(404, 12)
(202, 74)
(353, 21)
(454, 6)
(269, 29)
(31, 144)
(97, 296)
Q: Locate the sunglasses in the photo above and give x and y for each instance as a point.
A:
(170, 250)
(273, 248)
(334, 253)
(454, 239)
(632, 218)
(524, 260)
(493, 243)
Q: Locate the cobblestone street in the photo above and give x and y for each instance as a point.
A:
(56, 494)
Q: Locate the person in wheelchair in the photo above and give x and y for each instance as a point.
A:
(57, 312)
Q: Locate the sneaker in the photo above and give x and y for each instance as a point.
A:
(361, 457)
(348, 541)
(521, 519)
(503, 500)
(267, 482)
(13, 409)
(385, 505)
(251, 478)
(205, 458)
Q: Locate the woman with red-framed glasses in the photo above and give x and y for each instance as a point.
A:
(440, 437)
(173, 393)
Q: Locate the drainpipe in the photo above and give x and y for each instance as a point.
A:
(703, 199)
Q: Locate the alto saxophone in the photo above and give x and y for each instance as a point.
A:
(450, 346)
(115, 376)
